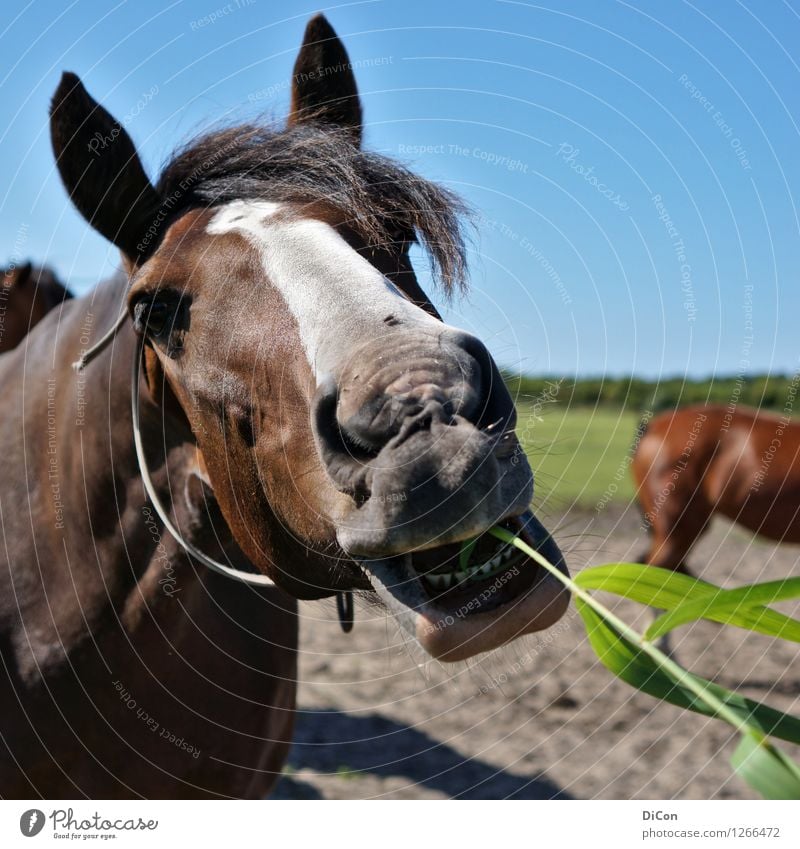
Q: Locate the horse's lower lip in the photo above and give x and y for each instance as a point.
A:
(481, 617)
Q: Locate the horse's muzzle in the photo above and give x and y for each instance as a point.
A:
(421, 437)
(493, 594)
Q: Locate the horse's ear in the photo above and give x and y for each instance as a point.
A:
(23, 274)
(100, 168)
(323, 84)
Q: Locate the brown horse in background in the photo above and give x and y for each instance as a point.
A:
(304, 413)
(27, 294)
(696, 462)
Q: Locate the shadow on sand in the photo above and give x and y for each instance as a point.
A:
(332, 742)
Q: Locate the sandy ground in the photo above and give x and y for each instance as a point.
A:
(541, 719)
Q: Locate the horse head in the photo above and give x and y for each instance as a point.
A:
(353, 441)
(27, 294)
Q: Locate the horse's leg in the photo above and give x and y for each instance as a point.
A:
(674, 528)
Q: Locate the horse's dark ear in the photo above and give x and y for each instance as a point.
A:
(323, 85)
(24, 273)
(100, 168)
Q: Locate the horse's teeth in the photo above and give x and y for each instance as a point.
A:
(441, 581)
(445, 580)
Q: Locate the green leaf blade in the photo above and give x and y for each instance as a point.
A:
(766, 769)
(635, 668)
(742, 607)
(638, 662)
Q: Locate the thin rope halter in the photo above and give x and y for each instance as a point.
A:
(344, 598)
(161, 512)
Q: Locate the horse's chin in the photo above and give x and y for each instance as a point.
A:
(457, 602)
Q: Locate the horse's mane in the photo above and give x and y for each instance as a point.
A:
(309, 163)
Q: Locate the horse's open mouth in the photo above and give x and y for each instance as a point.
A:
(461, 599)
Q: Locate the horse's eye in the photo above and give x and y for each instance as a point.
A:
(152, 317)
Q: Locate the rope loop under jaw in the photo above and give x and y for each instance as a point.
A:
(195, 553)
(344, 600)
(84, 360)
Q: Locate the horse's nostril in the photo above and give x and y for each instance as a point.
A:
(422, 421)
(491, 403)
(344, 458)
(398, 395)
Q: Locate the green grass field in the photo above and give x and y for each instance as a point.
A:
(580, 456)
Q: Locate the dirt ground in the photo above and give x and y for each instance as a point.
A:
(540, 719)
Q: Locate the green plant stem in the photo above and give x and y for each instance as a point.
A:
(677, 672)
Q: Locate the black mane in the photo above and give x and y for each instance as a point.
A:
(309, 163)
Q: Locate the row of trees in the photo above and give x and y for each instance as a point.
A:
(767, 391)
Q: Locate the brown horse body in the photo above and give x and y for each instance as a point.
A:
(128, 670)
(27, 294)
(700, 461)
(304, 413)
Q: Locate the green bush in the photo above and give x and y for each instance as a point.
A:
(765, 391)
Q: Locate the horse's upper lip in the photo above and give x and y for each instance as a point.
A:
(475, 613)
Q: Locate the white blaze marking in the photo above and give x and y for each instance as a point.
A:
(338, 299)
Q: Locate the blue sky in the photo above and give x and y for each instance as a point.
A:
(634, 167)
